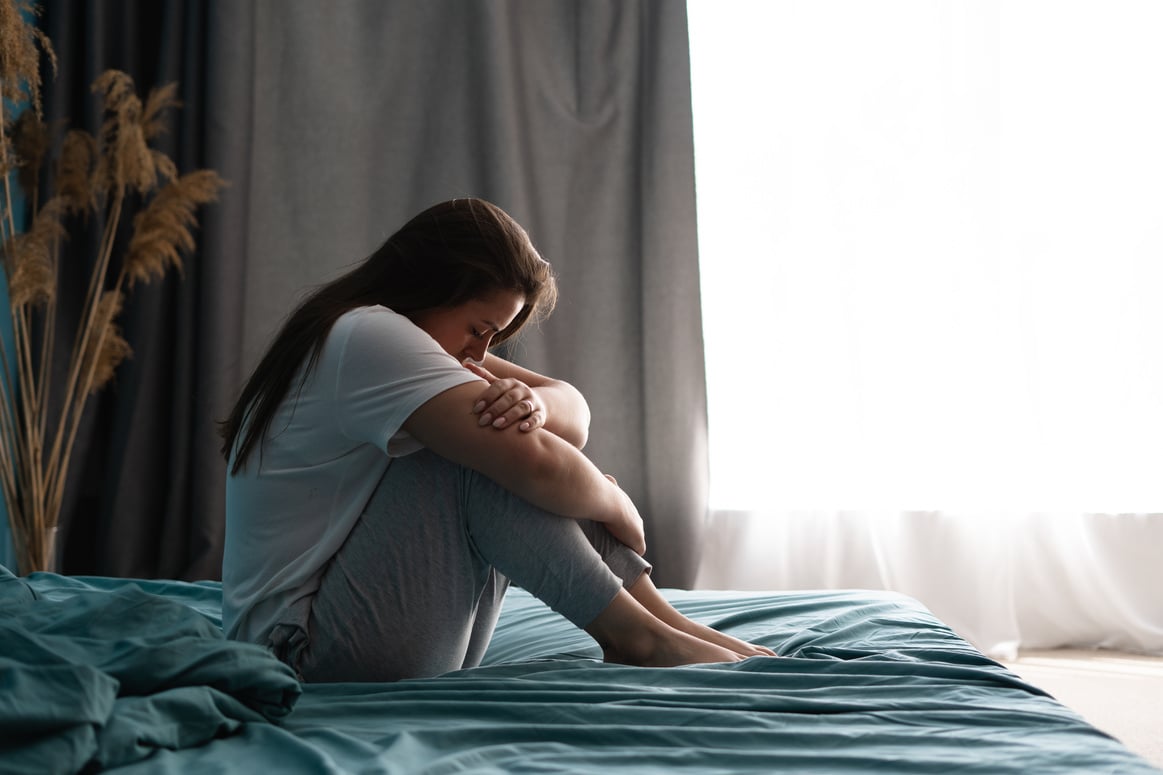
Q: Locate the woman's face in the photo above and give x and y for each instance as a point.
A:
(465, 331)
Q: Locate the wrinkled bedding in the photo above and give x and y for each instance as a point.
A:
(866, 682)
(101, 678)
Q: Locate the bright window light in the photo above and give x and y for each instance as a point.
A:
(931, 240)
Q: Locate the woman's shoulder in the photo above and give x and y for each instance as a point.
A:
(377, 327)
(372, 311)
(373, 347)
(371, 319)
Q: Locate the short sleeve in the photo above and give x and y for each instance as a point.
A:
(385, 368)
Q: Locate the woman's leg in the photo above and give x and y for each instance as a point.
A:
(652, 600)
(624, 627)
(634, 571)
(416, 588)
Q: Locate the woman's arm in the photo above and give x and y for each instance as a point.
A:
(539, 466)
(520, 398)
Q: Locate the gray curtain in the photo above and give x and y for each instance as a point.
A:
(146, 485)
(335, 122)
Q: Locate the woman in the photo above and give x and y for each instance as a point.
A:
(388, 474)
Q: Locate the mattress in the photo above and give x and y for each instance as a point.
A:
(134, 676)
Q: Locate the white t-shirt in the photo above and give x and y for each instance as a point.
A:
(290, 508)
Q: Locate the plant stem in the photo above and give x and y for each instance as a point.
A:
(73, 409)
(20, 429)
(47, 344)
(8, 445)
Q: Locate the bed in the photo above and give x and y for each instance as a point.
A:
(134, 676)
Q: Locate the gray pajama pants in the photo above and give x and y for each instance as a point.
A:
(417, 587)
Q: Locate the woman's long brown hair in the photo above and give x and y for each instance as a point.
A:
(451, 253)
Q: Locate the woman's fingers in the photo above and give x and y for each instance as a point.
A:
(534, 419)
(509, 402)
(493, 401)
(479, 370)
(524, 412)
(490, 394)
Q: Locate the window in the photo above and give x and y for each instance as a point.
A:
(931, 238)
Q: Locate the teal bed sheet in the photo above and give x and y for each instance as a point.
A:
(96, 676)
(867, 682)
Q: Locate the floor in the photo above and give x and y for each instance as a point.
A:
(1121, 694)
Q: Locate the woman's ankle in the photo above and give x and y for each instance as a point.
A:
(650, 598)
(625, 629)
(630, 634)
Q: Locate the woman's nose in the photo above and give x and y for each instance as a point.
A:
(476, 350)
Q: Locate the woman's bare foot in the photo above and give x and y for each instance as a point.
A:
(648, 595)
(710, 635)
(629, 634)
(667, 648)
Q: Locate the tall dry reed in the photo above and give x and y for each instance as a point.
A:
(94, 179)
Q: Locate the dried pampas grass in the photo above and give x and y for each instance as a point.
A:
(126, 160)
(21, 45)
(162, 231)
(94, 177)
(30, 143)
(33, 278)
(104, 354)
(76, 173)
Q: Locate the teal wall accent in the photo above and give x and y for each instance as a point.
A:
(7, 550)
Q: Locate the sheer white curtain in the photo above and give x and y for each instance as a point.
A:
(931, 241)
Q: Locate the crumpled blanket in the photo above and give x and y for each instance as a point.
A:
(104, 678)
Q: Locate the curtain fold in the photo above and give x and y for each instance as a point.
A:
(574, 117)
(336, 122)
(146, 484)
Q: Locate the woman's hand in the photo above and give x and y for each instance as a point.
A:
(543, 468)
(507, 402)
